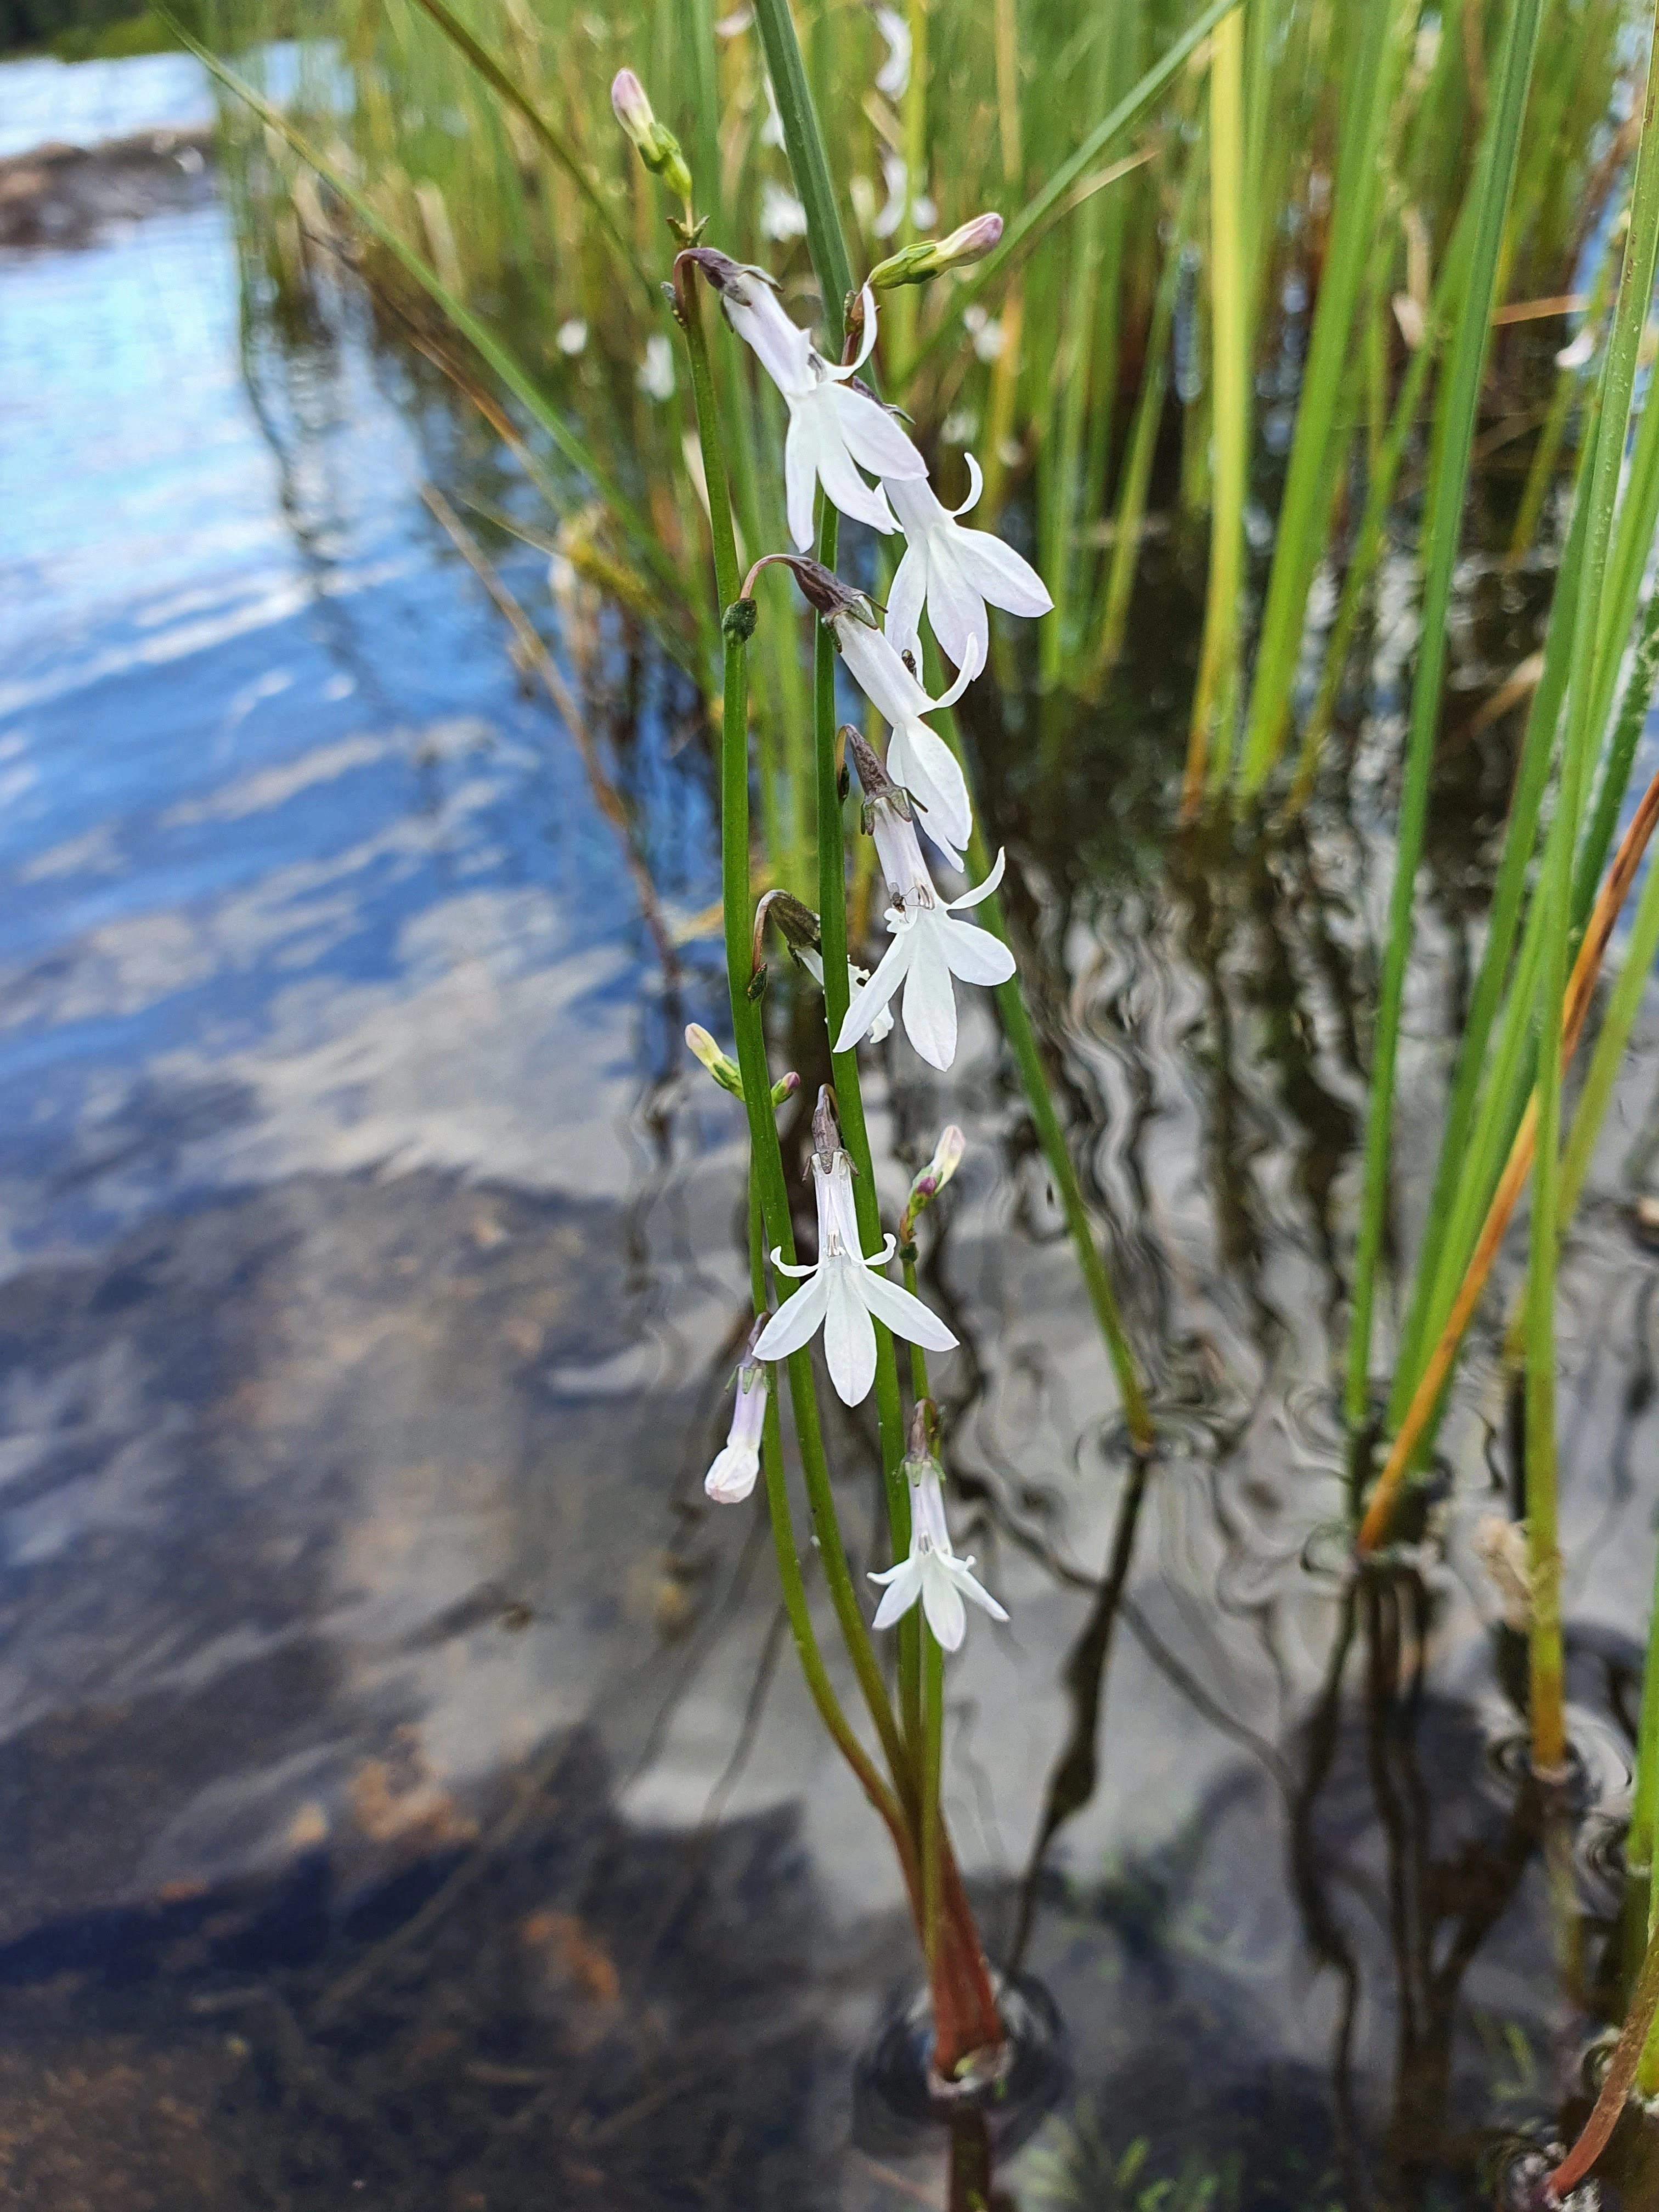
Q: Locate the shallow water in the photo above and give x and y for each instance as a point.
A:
(409, 1795)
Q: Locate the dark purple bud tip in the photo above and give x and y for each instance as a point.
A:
(874, 778)
(826, 1129)
(722, 271)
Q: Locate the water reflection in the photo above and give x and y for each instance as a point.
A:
(406, 1779)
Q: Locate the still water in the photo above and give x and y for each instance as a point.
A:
(407, 1796)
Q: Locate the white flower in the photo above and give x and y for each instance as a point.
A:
(896, 176)
(917, 757)
(841, 1292)
(731, 1477)
(894, 75)
(656, 376)
(954, 571)
(929, 945)
(831, 427)
(933, 1572)
(857, 978)
(570, 337)
(781, 215)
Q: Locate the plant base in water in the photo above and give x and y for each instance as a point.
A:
(900, 2103)
(1521, 2182)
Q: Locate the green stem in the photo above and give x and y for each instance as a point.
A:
(849, 1101)
(1210, 738)
(688, 307)
(918, 1389)
(789, 1574)
(768, 1158)
(931, 1768)
(1495, 179)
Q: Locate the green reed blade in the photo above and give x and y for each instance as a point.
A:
(495, 75)
(1143, 435)
(1484, 1103)
(804, 144)
(1628, 991)
(484, 341)
(1495, 180)
(1209, 753)
(1023, 230)
(1316, 449)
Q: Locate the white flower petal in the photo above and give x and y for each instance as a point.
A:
(930, 1001)
(1000, 575)
(975, 954)
(841, 482)
(891, 972)
(959, 1572)
(905, 598)
(975, 485)
(783, 347)
(980, 890)
(796, 1322)
(840, 374)
(920, 759)
(731, 1477)
(955, 608)
(905, 1315)
(904, 1588)
(849, 1338)
(941, 1601)
(800, 474)
(873, 437)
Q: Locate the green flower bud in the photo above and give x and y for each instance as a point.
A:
(932, 257)
(659, 149)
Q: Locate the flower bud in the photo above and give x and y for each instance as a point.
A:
(932, 257)
(659, 149)
(704, 1048)
(947, 1159)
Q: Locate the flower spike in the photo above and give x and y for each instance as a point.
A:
(843, 1289)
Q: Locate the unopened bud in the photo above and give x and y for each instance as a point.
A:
(703, 1047)
(922, 1458)
(785, 1087)
(932, 257)
(947, 1159)
(659, 149)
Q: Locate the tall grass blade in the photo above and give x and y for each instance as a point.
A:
(1495, 178)
(1025, 228)
(1217, 664)
(523, 388)
(1315, 448)
(495, 75)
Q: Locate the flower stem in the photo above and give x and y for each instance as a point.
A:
(933, 1701)
(769, 1167)
(849, 1101)
(1616, 2082)
(687, 309)
(789, 1577)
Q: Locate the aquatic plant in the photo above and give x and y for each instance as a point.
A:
(1237, 101)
